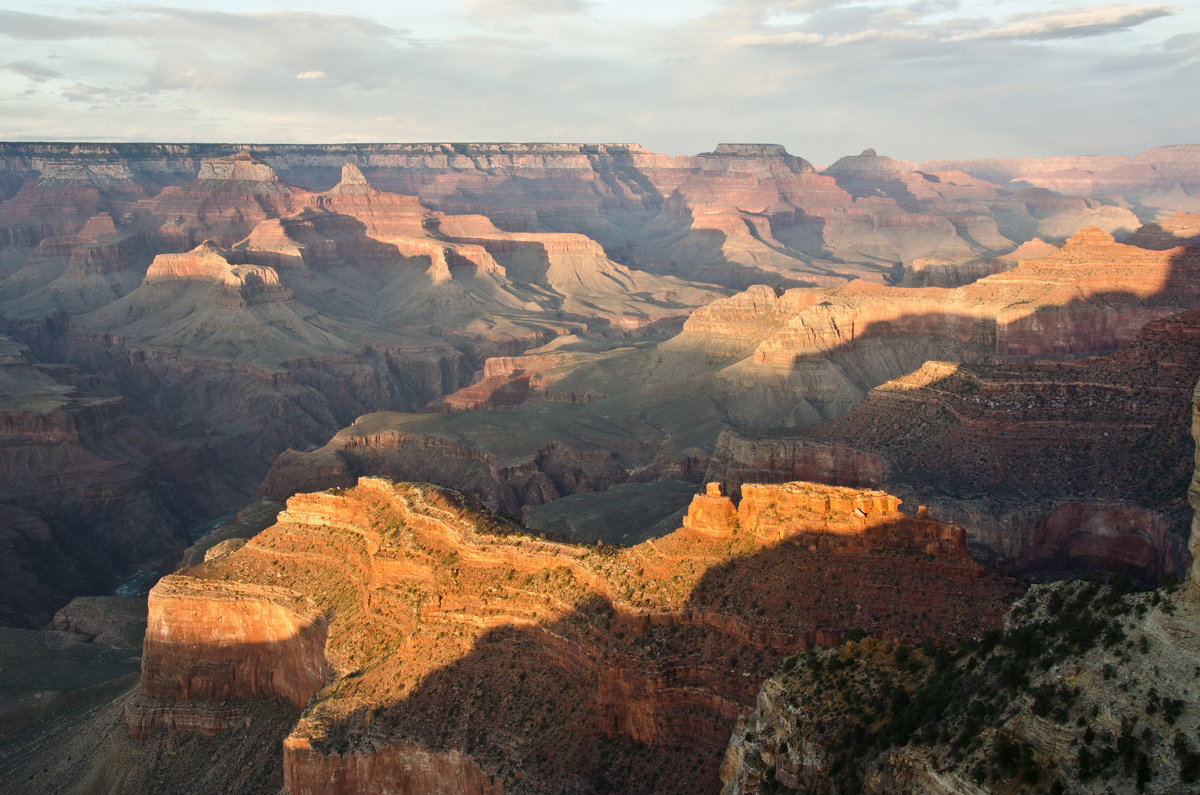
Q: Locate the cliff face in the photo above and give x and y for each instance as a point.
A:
(761, 360)
(436, 647)
(808, 355)
(1052, 466)
(239, 316)
(1106, 710)
(740, 214)
(1086, 689)
(247, 643)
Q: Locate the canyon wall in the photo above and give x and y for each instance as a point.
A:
(239, 316)
(993, 715)
(81, 500)
(1053, 467)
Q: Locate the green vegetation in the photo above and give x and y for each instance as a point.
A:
(964, 708)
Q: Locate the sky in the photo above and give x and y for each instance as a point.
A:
(826, 78)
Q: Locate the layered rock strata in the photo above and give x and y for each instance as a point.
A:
(761, 359)
(1160, 178)
(1054, 467)
(323, 296)
(739, 214)
(438, 647)
(239, 316)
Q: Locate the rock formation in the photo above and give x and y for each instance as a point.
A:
(435, 645)
(759, 361)
(1088, 688)
(1054, 467)
(80, 501)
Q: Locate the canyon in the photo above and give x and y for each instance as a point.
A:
(524, 321)
(835, 373)
(1056, 467)
(896, 386)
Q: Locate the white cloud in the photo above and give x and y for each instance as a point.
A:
(312, 74)
(1071, 23)
(869, 36)
(782, 39)
(515, 10)
(803, 39)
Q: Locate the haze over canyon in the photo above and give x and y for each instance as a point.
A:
(541, 467)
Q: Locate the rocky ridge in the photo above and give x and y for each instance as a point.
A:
(1162, 177)
(240, 316)
(425, 637)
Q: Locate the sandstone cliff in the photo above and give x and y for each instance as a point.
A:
(437, 646)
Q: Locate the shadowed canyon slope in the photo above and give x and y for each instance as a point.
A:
(435, 646)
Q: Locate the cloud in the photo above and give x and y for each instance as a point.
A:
(824, 77)
(515, 10)
(798, 38)
(783, 39)
(33, 71)
(1071, 23)
(1183, 41)
(35, 27)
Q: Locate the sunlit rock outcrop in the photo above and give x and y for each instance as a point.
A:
(435, 644)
